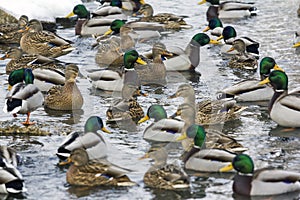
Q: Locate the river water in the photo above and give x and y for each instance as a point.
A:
(273, 27)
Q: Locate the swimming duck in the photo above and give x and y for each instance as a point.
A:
(214, 138)
(164, 175)
(45, 43)
(111, 79)
(97, 172)
(297, 41)
(209, 111)
(90, 139)
(229, 10)
(67, 97)
(171, 21)
(33, 61)
(10, 155)
(216, 28)
(154, 73)
(9, 33)
(229, 34)
(242, 60)
(200, 158)
(23, 97)
(99, 22)
(11, 179)
(284, 105)
(188, 59)
(266, 181)
(251, 90)
(162, 129)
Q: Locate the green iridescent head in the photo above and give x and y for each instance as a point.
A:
(243, 163)
(229, 32)
(94, 124)
(116, 25)
(21, 75)
(117, 3)
(198, 133)
(214, 23)
(81, 11)
(157, 112)
(201, 38)
(278, 80)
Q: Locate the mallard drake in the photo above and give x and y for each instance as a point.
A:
(214, 138)
(266, 181)
(131, 32)
(229, 34)
(45, 43)
(284, 105)
(11, 179)
(97, 172)
(188, 59)
(89, 139)
(163, 129)
(112, 80)
(67, 97)
(242, 60)
(170, 20)
(251, 90)
(216, 28)
(229, 10)
(99, 22)
(200, 158)
(23, 97)
(209, 111)
(163, 175)
(9, 33)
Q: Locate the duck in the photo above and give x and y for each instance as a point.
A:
(10, 34)
(162, 129)
(261, 182)
(208, 111)
(296, 41)
(187, 59)
(284, 105)
(11, 181)
(170, 20)
(229, 34)
(89, 139)
(127, 108)
(242, 60)
(163, 175)
(45, 43)
(99, 21)
(85, 171)
(154, 73)
(18, 60)
(214, 138)
(215, 26)
(68, 96)
(112, 79)
(250, 90)
(229, 10)
(200, 158)
(131, 32)
(23, 96)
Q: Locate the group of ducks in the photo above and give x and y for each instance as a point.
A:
(34, 69)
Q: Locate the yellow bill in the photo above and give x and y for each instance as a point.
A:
(108, 32)
(206, 29)
(105, 130)
(227, 168)
(202, 2)
(220, 38)
(143, 119)
(296, 45)
(267, 80)
(276, 67)
(140, 61)
(71, 14)
(182, 137)
(214, 42)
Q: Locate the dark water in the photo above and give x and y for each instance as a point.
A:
(273, 27)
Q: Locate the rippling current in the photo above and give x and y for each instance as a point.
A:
(273, 27)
